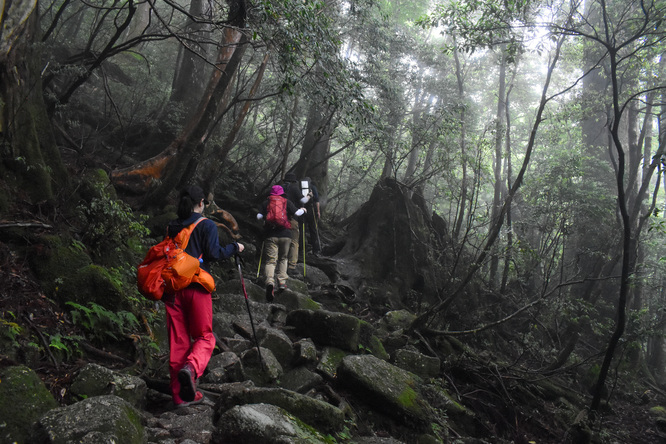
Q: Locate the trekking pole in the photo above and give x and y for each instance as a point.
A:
(314, 216)
(303, 230)
(247, 302)
(261, 254)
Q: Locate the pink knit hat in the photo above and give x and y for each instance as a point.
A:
(277, 190)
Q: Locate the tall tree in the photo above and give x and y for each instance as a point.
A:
(190, 72)
(29, 151)
(170, 166)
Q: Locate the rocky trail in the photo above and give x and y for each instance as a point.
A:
(338, 362)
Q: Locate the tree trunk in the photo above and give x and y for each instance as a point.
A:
(509, 174)
(290, 134)
(188, 80)
(217, 159)
(460, 215)
(500, 127)
(168, 167)
(28, 149)
(313, 161)
(494, 230)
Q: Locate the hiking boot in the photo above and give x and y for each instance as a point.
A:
(269, 293)
(188, 385)
(198, 399)
(282, 287)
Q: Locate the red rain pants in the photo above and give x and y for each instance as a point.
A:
(190, 329)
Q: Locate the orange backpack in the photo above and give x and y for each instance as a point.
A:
(167, 268)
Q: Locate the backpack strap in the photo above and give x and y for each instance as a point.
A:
(183, 237)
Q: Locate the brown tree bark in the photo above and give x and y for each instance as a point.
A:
(220, 156)
(169, 166)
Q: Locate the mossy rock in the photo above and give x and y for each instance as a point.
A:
(54, 258)
(233, 286)
(95, 184)
(158, 223)
(330, 360)
(264, 423)
(658, 414)
(92, 283)
(97, 419)
(25, 399)
(95, 380)
(293, 300)
(388, 388)
(297, 285)
(327, 328)
(315, 412)
(369, 341)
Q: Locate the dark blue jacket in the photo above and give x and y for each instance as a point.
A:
(293, 193)
(204, 241)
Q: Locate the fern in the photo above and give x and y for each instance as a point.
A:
(100, 322)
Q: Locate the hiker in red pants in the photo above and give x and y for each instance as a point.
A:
(190, 310)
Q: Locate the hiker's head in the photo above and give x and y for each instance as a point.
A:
(190, 198)
(290, 177)
(277, 190)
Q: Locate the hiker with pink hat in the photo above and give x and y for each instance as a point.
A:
(276, 212)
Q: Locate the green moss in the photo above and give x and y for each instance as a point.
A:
(92, 283)
(26, 398)
(134, 418)
(310, 304)
(408, 398)
(330, 361)
(306, 432)
(54, 258)
(658, 411)
(95, 184)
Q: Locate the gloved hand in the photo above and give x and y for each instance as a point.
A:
(260, 216)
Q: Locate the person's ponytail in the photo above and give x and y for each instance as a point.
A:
(185, 206)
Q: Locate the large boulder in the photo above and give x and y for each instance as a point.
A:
(100, 419)
(255, 292)
(279, 343)
(305, 352)
(415, 362)
(331, 358)
(292, 299)
(319, 414)
(224, 367)
(264, 424)
(231, 311)
(24, 399)
(261, 366)
(388, 388)
(193, 423)
(327, 328)
(95, 380)
(300, 379)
